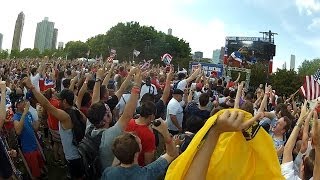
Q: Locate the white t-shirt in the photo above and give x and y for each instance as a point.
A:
(34, 113)
(122, 103)
(35, 81)
(182, 84)
(174, 108)
(148, 89)
(288, 172)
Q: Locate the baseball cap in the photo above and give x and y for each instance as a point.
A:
(178, 91)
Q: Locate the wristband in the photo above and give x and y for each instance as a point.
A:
(169, 141)
(135, 90)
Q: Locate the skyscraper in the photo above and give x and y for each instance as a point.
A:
(216, 56)
(16, 42)
(54, 39)
(292, 62)
(1, 37)
(44, 35)
(60, 45)
(170, 31)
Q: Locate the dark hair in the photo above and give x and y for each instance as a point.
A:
(203, 99)
(68, 72)
(232, 94)
(288, 123)
(66, 83)
(148, 81)
(147, 108)
(226, 92)
(67, 94)
(194, 123)
(85, 99)
(90, 84)
(247, 106)
(124, 148)
(219, 82)
(147, 97)
(33, 71)
(181, 76)
(97, 112)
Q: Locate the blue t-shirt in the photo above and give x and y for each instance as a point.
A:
(27, 136)
(135, 172)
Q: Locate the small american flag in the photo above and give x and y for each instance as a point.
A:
(311, 87)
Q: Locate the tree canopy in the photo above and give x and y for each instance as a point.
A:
(309, 67)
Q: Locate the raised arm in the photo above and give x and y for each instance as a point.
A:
(227, 122)
(194, 74)
(171, 150)
(59, 114)
(96, 89)
(238, 96)
(2, 103)
(316, 144)
(126, 82)
(166, 91)
(131, 105)
(83, 89)
(287, 152)
(107, 78)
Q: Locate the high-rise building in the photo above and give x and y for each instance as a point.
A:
(54, 39)
(60, 45)
(16, 42)
(284, 65)
(292, 62)
(170, 31)
(44, 35)
(198, 55)
(1, 37)
(216, 56)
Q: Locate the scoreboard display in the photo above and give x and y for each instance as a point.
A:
(251, 49)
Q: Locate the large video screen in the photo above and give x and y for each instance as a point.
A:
(252, 49)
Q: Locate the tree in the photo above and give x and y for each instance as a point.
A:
(76, 49)
(285, 82)
(308, 67)
(4, 54)
(125, 37)
(14, 54)
(258, 74)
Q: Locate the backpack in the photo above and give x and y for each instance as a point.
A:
(79, 125)
(89, 151)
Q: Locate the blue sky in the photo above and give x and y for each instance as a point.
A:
(202, 23)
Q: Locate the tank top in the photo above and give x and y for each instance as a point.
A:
(70, 150)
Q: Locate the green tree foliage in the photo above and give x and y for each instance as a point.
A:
(258, 74)
(286, 81)
(4, 54)
(125, 37)
(76, 49)
(309, 67)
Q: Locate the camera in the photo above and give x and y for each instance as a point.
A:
(156, 123)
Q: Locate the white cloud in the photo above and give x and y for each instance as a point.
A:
(315, 24)
(79, 20)
(308, 6)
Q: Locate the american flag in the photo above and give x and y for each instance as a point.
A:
(311, 87)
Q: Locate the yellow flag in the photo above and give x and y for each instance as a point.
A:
(237, 155)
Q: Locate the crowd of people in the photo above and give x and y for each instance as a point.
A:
(127, 121)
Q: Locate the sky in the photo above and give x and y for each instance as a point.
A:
(204, 24)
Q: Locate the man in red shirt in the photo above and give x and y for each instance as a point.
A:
(141, 127)
(53, 125)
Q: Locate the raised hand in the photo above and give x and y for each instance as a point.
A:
(233, 121)
(26, 108)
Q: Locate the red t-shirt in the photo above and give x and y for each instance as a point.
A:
(155, 82)
(53, 123)
(147, 137)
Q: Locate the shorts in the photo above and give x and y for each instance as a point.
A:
(5, 166)
(35, 162)
(76, 168)
(55, 136)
